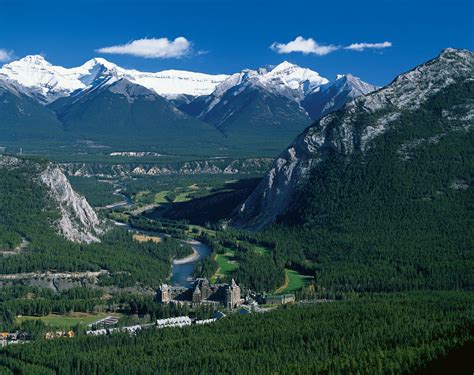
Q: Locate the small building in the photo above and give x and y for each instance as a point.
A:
(280, 299)
(205, 321)
(179, 321)
(218, 315)
(197, 295)
(97, 332)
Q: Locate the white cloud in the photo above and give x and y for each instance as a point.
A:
(364, 46)
(161, 48)
(305, 46)
(5, 55)
(310, 46)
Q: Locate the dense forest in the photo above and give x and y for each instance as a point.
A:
(396, 217)
(29, 214)
(386, 232)
(376, 334)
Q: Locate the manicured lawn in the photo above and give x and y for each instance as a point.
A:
(182, 197)
(141, 195)
(160, 197)
(202, 229)
(261, 250)
(66, 321)
(226, 264)
(295, 281)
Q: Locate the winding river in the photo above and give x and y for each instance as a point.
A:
(181, 269)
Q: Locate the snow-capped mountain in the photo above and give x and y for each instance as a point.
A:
(22, 117)
(435, 93)
(333, 95)
(286, 79)
(251, 108)
(258, 104)
(48, 82)
(117, 107)
(291, 80)
(44, 81)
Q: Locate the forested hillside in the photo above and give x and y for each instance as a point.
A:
(29, 217)
(376, 334)
(397, 217)
(379, 195)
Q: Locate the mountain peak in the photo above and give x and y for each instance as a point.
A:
(344, 134)
(30, 60)
(99, 61)
(37, 59)
(283, 66)
(450, 50)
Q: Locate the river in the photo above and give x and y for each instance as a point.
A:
(181, 269)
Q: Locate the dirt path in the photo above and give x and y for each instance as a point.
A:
(285, 285)
(53, 275)
(17, 250)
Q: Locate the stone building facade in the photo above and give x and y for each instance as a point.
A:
(202, 292)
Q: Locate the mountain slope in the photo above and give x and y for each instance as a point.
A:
(333, 95)
(101, 104)
(259, 107)
(47, 82)
(426, 110)
(23, 119)
(269, 106)
(117, 110)
(36, 197)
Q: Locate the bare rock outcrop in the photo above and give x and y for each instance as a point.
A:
(78, 221)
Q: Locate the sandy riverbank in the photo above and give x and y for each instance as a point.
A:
(190, 258)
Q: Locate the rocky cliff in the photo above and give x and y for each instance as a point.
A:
(78, 221)
(36, 193)
(132, 169)
(353, 128)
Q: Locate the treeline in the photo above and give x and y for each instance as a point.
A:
(127, 261)
(98, 193)
(17, 299)
(26, 300)
(28, 212)
(173, 228)
(256, 271)
(395, 216)
(377, 334)
(206, 267)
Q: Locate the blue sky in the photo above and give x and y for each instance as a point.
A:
(226, 36)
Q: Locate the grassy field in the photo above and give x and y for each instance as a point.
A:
(294, 281)
(261, 249)
(182, 197)
(160, 197)
(65, 321)
(144, 238)
(226, 263)
(200, 228)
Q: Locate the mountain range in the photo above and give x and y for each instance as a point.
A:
(102, 104)
(408, 144)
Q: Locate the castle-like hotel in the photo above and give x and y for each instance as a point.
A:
(202, 292)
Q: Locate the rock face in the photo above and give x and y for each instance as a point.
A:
(333, 95)
(212, 166)
(353, 128)
(78, 221)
